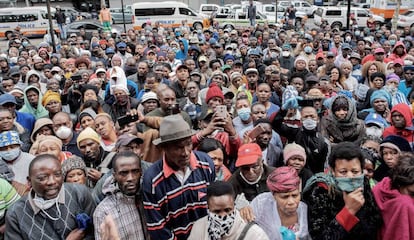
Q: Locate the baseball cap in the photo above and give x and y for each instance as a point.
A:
(149, 96)
(330, 54)
(99, 70)
(375, 118)
(319, 55)
(202, 58)
(121, 45)
(355, 55)
(346, 46)
(181, 66)
(7, 98)
(126, 139)
(110, 51)
(248, 154)
(379, 50)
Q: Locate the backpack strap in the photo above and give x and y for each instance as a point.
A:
(245, 229)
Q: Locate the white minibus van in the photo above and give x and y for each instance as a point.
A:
(168, 14)
(33, 21)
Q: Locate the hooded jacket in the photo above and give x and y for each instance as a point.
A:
(406, 133)
(38, 112)
(182, 54)
(394, 56)
(34, 72)
(349, 129)
(392, 204)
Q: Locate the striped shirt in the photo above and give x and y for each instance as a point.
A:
(170, 206)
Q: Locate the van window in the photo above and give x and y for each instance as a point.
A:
(209, 8)
(185, 11)
(362, 13)
(18, 18)
(269, 9)
(333, 13)
(154, 12)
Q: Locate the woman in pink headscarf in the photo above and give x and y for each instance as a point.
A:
(280, 212)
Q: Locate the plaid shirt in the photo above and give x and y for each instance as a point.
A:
(124, 212)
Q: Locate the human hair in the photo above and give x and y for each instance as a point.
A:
(262, 120)
(219, 188)
(367, 65)
(95, 105)
(403, 173)
(40, 158)
(375, 75)
(124, 154)
(211, 144)
(256, 104)
(346, 151)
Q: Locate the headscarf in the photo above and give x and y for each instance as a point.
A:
(50, 96)
(283, 179)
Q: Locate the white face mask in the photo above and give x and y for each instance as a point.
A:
(285, 53)
(44, 204)
(348, 38)
(10, 155)
(63, 132)
(309, 124)
(374, 131)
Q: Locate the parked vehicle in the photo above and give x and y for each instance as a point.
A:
(387, 8)
(336, 16)
(239, 19)
(118, 17)
(73, 13)
(90, 26)
(300, 6)
(406, 19)
(33, 21)
(269, 11)
(208, 9)
(168, 14)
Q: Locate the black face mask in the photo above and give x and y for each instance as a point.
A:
(293, 45)
(19, 103)
(122, 52)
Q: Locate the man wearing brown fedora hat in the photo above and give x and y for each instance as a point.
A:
(175, 187)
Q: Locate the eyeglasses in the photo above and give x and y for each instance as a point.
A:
(409, 73)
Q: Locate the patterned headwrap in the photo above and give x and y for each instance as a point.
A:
(283, 179)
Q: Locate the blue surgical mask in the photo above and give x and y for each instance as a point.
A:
(307, 49)
(392, 42)
(10, 155)
(348, 185)
(244, 113)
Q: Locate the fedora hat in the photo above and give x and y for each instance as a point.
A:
(173, 128)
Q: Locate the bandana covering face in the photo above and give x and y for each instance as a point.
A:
(350, 184)
(218, 226)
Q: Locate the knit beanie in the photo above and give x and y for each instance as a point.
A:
(380, 94)
(214, 91)
(72, 163)
(87, 112)
(88, 133)
(44, 139)
(392, 76)
(293, 149)
(300, 58)
(50, 96)
(396, 142)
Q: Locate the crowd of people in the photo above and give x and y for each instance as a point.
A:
(264, 132)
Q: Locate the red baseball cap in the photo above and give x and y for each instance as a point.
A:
(319, 55)
(248, 154)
